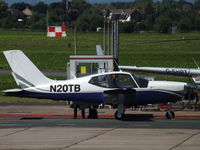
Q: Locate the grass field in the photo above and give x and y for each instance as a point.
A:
(53, 53)
(46, 53)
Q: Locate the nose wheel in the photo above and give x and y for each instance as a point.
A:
(119, 116)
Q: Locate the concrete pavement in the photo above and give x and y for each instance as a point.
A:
(61, 133)
(63, 138)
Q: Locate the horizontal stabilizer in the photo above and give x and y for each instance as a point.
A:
(12, 90)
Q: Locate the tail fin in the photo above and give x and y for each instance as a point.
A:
(99, 50)
(25, 73)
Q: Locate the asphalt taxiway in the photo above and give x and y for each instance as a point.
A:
(64, 133)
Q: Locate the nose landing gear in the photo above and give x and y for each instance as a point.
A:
(119, 116)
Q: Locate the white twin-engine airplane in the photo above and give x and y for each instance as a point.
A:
(120, 89)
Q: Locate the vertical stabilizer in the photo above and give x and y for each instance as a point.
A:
(25, 73)
(99, 50)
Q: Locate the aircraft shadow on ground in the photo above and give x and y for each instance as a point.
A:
(31, 118)
(138, 117)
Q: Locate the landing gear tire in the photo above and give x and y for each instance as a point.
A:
(93, 114)
(170, 114)
(119, 116)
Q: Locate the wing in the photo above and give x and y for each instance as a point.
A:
(162, 70)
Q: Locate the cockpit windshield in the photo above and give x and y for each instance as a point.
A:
(142, 82)
(113, 81)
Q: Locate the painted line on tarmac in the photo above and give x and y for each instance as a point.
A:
(100, 116)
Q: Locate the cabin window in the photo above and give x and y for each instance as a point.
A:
(113, 81)
(101, 81)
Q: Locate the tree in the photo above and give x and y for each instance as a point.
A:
(121, 5)
(197, 22)
(140, 4)
(40, 8)
(90, 19)
(80, 6)
(127, 27)
(197, 5)
(159, 16)
(57, 14)
(163, 24)
(39, 25)
(20, 6)
(6, 22)
(184, 24)
(3, 9)
(149, 15)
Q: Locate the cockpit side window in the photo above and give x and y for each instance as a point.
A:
(113, 81)
(101, 81)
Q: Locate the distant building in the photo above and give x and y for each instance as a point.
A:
(28, 13)
(187, 6)
(126, 15)
(20, 17)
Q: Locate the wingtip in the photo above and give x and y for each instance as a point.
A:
(12, 90)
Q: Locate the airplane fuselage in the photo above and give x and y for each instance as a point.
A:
(84, 90)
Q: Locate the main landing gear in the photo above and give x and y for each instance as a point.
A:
(170, 114)
(93, 114)
(119, 114)
(76, 107)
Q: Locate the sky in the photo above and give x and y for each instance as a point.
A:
(10, 2)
